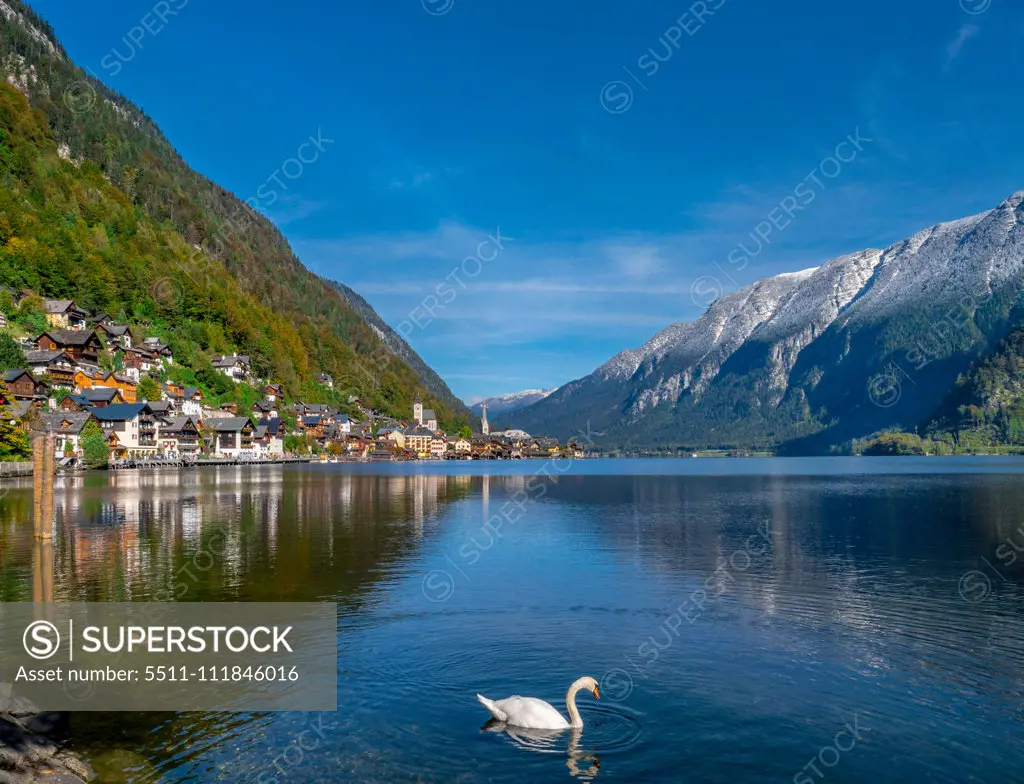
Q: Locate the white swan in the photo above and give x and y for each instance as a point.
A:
(531, 713)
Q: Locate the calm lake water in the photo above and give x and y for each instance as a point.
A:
(749, 620)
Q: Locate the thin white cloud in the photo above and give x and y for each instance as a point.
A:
(955, 47)
(417, 180)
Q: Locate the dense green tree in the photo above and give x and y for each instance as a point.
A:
(895, 444)
(11, 355)
(149, 390)
(94, 445)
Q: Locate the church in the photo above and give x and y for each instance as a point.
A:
(424, 417)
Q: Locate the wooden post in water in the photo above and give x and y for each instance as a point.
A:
(42, 483)
(38, 450)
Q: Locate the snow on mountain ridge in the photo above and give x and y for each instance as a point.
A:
(792, 357)
(512, 401)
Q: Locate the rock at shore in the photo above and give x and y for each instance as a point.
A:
(27, 757)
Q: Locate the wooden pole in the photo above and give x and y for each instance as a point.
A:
(38, 451)
(43, 469)
(49, 474)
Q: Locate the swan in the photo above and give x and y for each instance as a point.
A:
(532, 713)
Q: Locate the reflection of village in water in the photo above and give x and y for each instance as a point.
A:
(193, 536)
(283, 533)
(702, 560)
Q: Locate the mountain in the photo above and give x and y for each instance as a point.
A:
(805, 362)
(97, 206)
(398, 346)
(506, 404)
(985, 409)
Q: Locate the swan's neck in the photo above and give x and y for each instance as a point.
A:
(575, 720)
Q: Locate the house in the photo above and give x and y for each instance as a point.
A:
(326, 380)
(187, 401)
(161, 408)
(191, 401)
(75, 403)
(418, 441)
(117, 334)
(101, 318)
(94, 378)
(64, 314)
(424, 417)
(274, 393)
(99, 397)
(312, 425)
(55, 364)
(395, 436)
(438, 445)
(67, 429)
(265, 409)
(22, 385)
(344, 423)
(314, 409)
(549, 445)
(463, 445)
(232, 436)
(260, 441)
(237, 367)
(271, 436)
(178, 436)
(137, 361)
(160, 350)
(122, 427)
(82, 346)
(231, 408)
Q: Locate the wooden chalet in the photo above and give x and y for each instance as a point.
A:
(81, 345)
(22, 385)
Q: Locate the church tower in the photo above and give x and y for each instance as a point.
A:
(485, 428)
(417, 410)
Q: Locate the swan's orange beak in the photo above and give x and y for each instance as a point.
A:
(597, 694)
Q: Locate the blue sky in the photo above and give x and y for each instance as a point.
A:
(630, 154)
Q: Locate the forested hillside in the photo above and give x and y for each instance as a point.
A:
(98, 207)
(986, 408)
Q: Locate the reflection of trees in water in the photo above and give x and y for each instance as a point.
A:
(249, 534)
(234, 534)
(681, 523)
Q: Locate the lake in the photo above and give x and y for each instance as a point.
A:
(748, 620)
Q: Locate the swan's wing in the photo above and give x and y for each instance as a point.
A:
(531, 713)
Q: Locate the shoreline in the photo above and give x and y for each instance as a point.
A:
(29, 749)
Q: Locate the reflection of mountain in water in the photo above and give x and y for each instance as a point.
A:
(841, 547)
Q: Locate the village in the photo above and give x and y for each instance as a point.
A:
(64, 391)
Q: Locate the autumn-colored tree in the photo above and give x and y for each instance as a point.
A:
(14, 443)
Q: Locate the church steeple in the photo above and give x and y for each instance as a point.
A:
(417, 410)
(485, 428)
